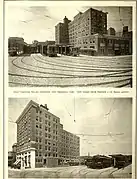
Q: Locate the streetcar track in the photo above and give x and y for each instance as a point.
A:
(78, 85)
(65, 75)
(75, 66)
(57, 60)
(102, 173)
(119, 74)
(87, 70)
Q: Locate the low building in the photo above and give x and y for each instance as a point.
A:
(105, 45)
(12, 155)
(16, 43)
(41, 139)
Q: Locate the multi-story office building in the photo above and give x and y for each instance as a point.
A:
(41, 140)
(62, 33)
(88, 31)
(85, 25)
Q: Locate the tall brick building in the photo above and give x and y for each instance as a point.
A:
(88, 31)
(41, 139)
(62, 33)
(86, 24)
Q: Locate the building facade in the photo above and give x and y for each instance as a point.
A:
(85, 25)
(106, 45)
(16, 43)
(12, 155)
(41, 139)
(62, 32)
(88, 31)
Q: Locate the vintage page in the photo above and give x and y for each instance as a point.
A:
(70, 89)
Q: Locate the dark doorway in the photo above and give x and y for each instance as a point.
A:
(45, 161)
(117, 52)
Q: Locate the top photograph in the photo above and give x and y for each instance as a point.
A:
(70, 46)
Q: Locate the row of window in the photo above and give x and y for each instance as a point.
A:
(46, 155)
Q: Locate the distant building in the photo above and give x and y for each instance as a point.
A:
(111, 31)
(62, 32)
(41, 139)
(16, 43)
(42, 46)
(104, 45)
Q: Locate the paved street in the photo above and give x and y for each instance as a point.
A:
(64, 71)
(71, 172)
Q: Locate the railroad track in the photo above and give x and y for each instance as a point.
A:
(43, 72)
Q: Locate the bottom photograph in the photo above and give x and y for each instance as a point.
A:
(60, 136)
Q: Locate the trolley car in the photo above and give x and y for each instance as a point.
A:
(99, 162)
(74, 51)
(52, 50)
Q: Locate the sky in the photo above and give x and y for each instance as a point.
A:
(38, 22)
(104, 125)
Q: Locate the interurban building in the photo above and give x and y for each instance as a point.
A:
(41, 139)
(88, 31)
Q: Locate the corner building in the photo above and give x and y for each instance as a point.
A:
(41, 139)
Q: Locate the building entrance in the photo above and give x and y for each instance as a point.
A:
(117, 52)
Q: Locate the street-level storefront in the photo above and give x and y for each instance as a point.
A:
(27, 158)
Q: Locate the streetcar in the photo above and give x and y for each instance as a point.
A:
(74, 51)
(12, 51)
(121, 161)
(52, 50)
(99, 162)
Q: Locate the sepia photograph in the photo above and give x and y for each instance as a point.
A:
(69, 46)
(53, 136)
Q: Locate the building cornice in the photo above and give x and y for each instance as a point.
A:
(29, 105)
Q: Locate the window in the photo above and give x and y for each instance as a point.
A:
(40, 119)
(49, 130)
(46, 115)
(37, 126)
(48, 148)
(49, 135)
(40, 133)
(40, 126)
(45, 147)
(46, 128)
(45, 134)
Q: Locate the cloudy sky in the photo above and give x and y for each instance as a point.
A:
(38, 22)
(104, 125)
